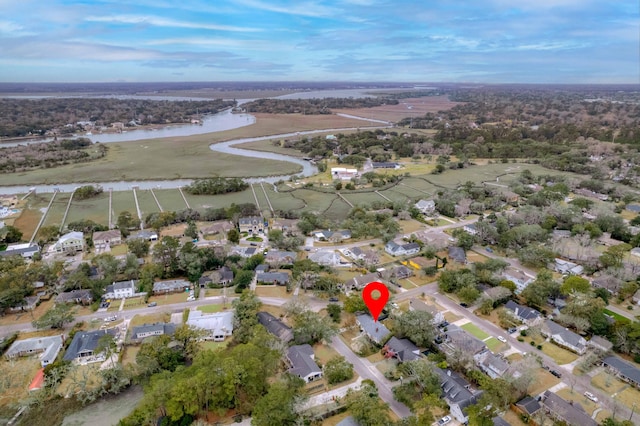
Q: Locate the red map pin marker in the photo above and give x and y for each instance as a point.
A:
(375, 305)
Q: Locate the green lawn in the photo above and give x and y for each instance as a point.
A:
(56, 212)
(493, 344)
(214, 346)
(616, 316)
(147, 203)
(170, 199)
(474, 330)
(210, 309)
(95, 208)
(123, 201)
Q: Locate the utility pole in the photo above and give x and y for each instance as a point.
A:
(632, 411)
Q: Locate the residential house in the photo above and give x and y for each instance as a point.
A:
(406, 249)
(492, 365)
(457, 392)
(458, 254)
(384, 165)
(564, 337)
(48, 348)
(519, 278)
(83, 346)
(244, 251)
(523, 314)
(144, 235)
(348, 421)
(303, 365)
(170, 286)
(571, 413)
(420, 262)
(510, 197)
(457, 339)
(426, 206)
(401, 349)
(356, 253)
(358, 283)
(470, 229)
(26, 250)
(280, 257)
(287, 226)
(635, 251)
(600, 343)
(328, 258)
(401, 272)
(329, 235)
(606, 240)
(218, 227)
(218, 325)
(102, 239)
(83, 297)
(147, 330)
(120, 290)
(609, 282)
(636, 297)
(69, 243)
(28, 304)
(623, 370)
(223, 276)
(567, 268)
(419, 305)
(499, 421)
(343, 173)
(252, 224)
(437, 240)
(277, 278)
(561, 234)
(528, 406)
(275, 327)
(374, 330)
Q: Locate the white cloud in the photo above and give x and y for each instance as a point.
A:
(166, 22)
(299, 8)
(13, 29)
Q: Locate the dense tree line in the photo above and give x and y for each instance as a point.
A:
(216, 185)
(314, 106)
(46, 155)
(22, 117)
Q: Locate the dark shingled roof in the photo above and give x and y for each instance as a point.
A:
(275, 326)
(528, 405)
(573, 413)
(84, 342)
(404, 349)
(626, 370)
(301, 358)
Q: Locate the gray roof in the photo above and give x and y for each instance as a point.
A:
(528, 404)
(458, 254)
(456, 389)
(84, 342)
(164, 328)
(348, 421)
(144, 234)
(275, 326)
(493, 363)
(19, 250)
(73, 295)
(404, 349)
(402, 271)
(522, 312)
(363, 280)
(122, 285)
(356, 251)
(171, 285)
(499, 421)
(376, 330)
(250, 220)
(49, 346)
(567, 335)
(280, 256)
(219, 323)
(464, 341)
(572, 413)
(273, 277)
(301, 358)
(626, 370)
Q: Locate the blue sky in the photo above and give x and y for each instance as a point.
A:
(489, 41)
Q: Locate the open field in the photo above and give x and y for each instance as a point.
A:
(286, 201)
(147, 203)
(123, 201)
(56, 212)
(273, 291)
(80, 377)
(315, 201)
(183, 157)
(96, 209)
(338, 209)
(201, 202)
(362, 198)
(419, 107)
(29, 316)
(494, 344)
(15, 377)
(170, 199)
(129, 354)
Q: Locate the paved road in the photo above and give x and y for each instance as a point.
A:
(367, 370)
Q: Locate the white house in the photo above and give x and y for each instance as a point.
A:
(120, 290)
(564, 337)
(419, 305)
(426, 206)
(47, 347)
(565, 267)
(71, 242)
(343, 173)
(519, 278)
(26, 250)
(302, 362)
(219, 325)
(102, 239)
(470, 229)
(395, 249)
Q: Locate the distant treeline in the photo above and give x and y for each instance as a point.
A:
(314, 106)
(215, 186)
(24, 117)
(49, 154)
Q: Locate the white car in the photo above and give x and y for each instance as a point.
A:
(502, 339)
(591, 396)
(444, 420)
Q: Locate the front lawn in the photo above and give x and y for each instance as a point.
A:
(169, 299)
(150, 319)
(544, 380)
(474, 330)
(494, 344)
(213, 346)
(210, 309)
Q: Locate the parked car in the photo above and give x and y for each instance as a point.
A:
(464, 305)
(152, 304)
(443, 324)
(555, 373)
(502, 339)
(444, 420)
(512, 330)
(333, 299)
(591, 396)
(488, 249)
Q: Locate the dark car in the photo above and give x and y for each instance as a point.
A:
(333, 299)
(443, 324)
(512, 330)
(555, 373)
(464, 305)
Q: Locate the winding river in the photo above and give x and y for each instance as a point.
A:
(218, 122)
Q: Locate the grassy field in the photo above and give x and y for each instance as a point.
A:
(214, 346)
(494, 344)
(15, 377)
(272, 291)
(183, 157)
(210, 309)
(315, 201)
(129, 354)
(146, 202)
(201, 202)
(338, 209)
(80, 376)
(150, 319)
(96, 209)
(559, 355)
(544, 380)
(168, 299)
(56, 212)
(362, 198)
(170, 199)
(123, 201)
(474, 330)
(284, 200)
